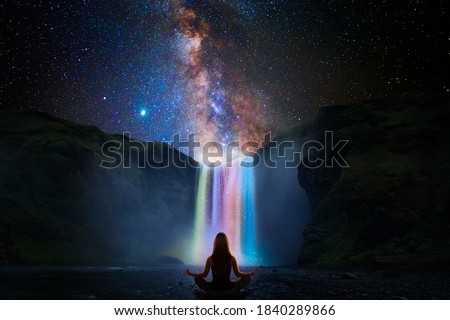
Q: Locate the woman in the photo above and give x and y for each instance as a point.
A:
(221, 261)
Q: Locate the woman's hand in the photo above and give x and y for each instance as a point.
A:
(254, 271)
(189, 273)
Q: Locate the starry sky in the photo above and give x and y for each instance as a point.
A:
(225, 70)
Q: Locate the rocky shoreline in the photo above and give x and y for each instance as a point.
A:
(169, 282)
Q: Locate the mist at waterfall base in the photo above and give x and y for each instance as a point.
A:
(282, 210)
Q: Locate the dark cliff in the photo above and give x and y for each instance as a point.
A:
(391, 206)
(58, 205)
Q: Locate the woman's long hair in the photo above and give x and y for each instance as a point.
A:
(221, 256)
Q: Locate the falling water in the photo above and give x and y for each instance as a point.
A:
(225, 203)
(248, 207)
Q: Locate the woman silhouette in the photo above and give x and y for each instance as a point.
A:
(221, 261)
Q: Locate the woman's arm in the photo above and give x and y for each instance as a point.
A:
(238, 272)
(205, 271)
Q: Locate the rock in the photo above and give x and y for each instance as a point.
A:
(390, 275)
(58, 205)
(349, 276)
(389, 209)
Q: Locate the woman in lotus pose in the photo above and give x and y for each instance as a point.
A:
(221, 261)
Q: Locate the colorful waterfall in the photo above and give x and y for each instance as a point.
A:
(225, 203)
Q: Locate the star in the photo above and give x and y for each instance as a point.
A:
(222, 69)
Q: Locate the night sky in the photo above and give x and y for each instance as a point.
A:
(224, 69)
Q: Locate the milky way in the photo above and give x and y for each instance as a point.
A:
(219, 101)
(225, 70)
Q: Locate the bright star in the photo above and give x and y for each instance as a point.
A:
(143, 112)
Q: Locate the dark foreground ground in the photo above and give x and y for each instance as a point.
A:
(47, 282)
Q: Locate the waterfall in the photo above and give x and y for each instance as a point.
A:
(225, 203)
